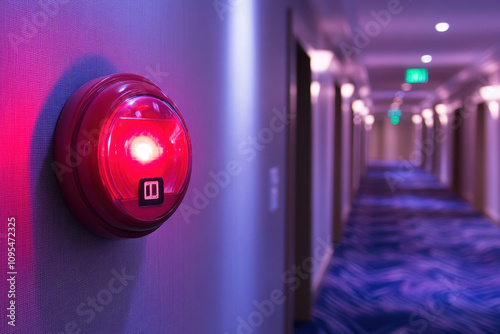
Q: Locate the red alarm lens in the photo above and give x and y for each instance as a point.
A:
(144, 138)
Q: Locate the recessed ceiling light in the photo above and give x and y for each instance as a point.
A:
(442, 26)
(426, 59)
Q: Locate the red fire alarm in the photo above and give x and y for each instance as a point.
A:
(122, 155)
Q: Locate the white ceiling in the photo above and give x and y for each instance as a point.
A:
(473, 38)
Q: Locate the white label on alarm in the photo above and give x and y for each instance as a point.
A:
(151, 190)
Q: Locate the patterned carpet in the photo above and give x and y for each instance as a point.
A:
(414, 259)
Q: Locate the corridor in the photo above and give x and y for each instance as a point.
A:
(250, 167)
(415, 258)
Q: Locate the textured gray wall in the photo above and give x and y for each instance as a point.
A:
(224, 67)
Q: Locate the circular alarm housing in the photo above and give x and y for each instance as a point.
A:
(122, 156)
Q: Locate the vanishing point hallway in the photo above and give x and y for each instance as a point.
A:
(415, 258)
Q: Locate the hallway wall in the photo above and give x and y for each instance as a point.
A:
(446, 154)
(309, 35)
(220, 254)
(322, 174)
(467, 143)
(357, 148)
(492, 167)
(491, 191)
(346, 157)
(479, 187)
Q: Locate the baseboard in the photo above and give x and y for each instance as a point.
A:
(323, 266)
(492, 215)
(345, 213)
(467, 196)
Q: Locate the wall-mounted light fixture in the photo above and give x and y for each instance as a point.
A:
(441, 109)
(427, 113)
(358, 106)
(416, 119)
(365, 111)
(494, 108)
(320, 60)
(315, 89)
(369, 121)
(347, 90)
(490, 93)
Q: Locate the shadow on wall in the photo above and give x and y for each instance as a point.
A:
(82, 281)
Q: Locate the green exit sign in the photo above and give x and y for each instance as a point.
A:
(417, 75)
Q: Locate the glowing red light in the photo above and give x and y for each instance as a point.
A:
(144, 149)
(145, 144)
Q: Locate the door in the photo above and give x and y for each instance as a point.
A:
(303, 181)
(480, 170)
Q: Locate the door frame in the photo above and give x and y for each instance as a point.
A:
(299, 297)
(480, 158)
(337, 166)
(457, 151)
(290, 172)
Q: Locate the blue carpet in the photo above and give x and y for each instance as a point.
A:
(414, 259)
